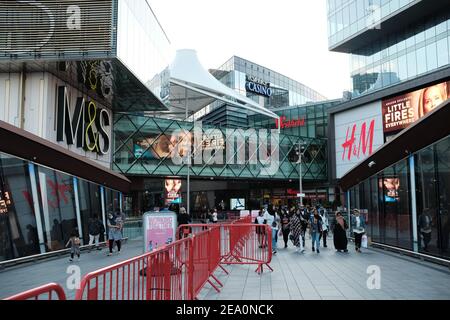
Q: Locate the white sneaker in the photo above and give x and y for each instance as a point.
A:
(109, 254)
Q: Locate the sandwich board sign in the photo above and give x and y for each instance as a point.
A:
(159, 229)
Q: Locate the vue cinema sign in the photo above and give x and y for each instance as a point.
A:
(86, 125)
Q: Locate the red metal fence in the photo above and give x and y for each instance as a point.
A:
(38, 292)
(177, 271)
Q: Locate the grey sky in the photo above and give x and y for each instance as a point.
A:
(287, 36)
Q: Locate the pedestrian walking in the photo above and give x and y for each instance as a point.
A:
(358, 226)
(74, 242)
(295, 227)
(273, 220)
(316, 229)
(261, 221)
(184, 218)
(115, 225)
(325, 227)
(96, 228)
(304, 220)
(339, 233)
(285, 230)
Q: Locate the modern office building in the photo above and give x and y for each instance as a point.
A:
(66, 67)
(390, 140)
(266, 87)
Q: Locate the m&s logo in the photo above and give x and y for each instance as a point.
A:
(354, 148)
(86, 125)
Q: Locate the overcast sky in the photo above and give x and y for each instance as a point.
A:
(287, 36)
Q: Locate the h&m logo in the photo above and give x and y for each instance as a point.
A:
(364, 145)
(87, 124)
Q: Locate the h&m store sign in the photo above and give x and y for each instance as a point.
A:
(87, 125)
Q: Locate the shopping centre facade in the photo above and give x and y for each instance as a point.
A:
(65, 70)
(390, 141)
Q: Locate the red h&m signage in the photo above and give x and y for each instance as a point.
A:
(354, 148)
(293, 123)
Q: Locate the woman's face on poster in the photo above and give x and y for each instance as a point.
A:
(432, 97)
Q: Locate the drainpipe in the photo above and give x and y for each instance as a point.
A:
(22, 99)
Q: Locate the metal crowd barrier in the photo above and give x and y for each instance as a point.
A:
(38, 292)
(163, 274)
(177, 271)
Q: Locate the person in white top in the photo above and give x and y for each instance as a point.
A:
(324, 234)
(261, 221)
(214, 216)
(358, 226)
(273, 221)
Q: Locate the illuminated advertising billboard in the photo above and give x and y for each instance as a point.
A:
(401, 111)
(172, 191)
(390, 187)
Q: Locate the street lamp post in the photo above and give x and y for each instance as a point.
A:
(300, 177)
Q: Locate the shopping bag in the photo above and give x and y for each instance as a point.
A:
(364, 241)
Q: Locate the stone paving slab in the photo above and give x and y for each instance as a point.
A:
(334, 276)
(17, 279)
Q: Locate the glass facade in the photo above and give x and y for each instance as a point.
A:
(286, 92)
(143, 147)
(348, 17)
(315, 118)
(148, 52)
(39, 207)
(419, 49)
(387, 199)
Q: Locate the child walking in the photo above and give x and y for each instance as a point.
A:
(75, 242)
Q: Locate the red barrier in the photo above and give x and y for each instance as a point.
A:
(37, 292)
(177, 271)
(164, 274)
(247, 244)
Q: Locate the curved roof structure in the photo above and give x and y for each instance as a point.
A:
(193, 87)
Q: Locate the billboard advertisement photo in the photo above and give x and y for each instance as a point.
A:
(401, 111)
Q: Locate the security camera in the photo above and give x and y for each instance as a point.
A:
(371, 164)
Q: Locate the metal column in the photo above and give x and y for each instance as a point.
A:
(412, 177)
(77, 209)
(37, 211)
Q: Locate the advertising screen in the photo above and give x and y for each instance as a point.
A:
(162, 146)
(390, 185)
(401, 111)
(172, 189)
(237, 204)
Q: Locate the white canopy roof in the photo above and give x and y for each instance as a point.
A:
(192, 84)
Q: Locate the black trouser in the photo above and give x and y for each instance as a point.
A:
(358, 238)
(325, 234)
(286, 236)
(111, 244)
(426, 239)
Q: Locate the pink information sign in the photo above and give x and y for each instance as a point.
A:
(159, 229)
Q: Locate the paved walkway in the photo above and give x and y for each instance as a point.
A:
(332, 275)
(31, 275)
(311, 276)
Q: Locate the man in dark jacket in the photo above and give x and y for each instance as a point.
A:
(184, 218)
(95, 229)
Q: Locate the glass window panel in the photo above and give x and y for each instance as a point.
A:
(421, 60)
(58, 207)
(431, 56)
(18, 230)
(442, 52)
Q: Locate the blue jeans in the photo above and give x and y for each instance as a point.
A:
(274, 239)
(315, 236)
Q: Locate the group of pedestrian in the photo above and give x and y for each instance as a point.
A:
(293, 224)
(96, 229)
